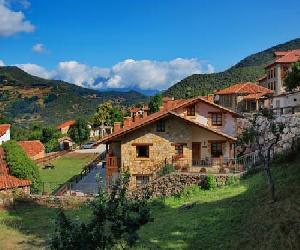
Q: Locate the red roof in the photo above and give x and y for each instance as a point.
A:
(8, 181)
(244, 88)
(289, 56)
(4, 128)
(66, 124)
(164, 112)
(255, 96)
(32, 148)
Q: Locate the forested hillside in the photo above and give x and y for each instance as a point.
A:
(248, 69)
(27, 99)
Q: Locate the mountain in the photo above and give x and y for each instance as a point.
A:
(27, 99)
(248, 69)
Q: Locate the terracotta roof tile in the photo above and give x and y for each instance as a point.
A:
(255, 96)
(4, 128)
(9, 182)
(289, 56)
(243, 88)
(66, 124)
(32, 148)
(3, 165)
(172, 106)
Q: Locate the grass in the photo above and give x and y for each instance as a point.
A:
(234, 217)
(65, 167)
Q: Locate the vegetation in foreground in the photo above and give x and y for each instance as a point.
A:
(65, 167)
(240, 216)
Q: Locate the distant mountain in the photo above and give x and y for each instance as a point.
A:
(147, 92)
(248, 69)
(29, 99)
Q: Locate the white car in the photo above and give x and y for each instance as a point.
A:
(88, 145)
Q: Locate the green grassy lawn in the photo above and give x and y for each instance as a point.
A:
(65, 167)
(234, 217)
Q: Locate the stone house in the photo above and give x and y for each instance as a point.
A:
(244, 97)
(4, 133)
(190, 134)
(64, 127)
(276, 70)
(286, 103)
(34, 149)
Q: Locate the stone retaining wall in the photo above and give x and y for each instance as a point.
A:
(173, 184)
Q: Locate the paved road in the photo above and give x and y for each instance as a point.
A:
(100, 149)
(90, 183)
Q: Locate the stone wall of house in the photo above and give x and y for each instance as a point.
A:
(7, 197)
(162, 147)
(172, 184)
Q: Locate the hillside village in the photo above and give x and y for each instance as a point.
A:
(165, 150)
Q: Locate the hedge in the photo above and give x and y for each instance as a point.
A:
(20, 165)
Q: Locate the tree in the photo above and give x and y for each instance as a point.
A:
(155, 103)
(106, 114)
(264, 133)
(114, 223)
(292, 79)
(79, 132)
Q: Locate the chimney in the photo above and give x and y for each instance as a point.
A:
(127, 121)
(117, 126)
(145, 113)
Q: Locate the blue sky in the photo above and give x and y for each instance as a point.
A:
(151, 44)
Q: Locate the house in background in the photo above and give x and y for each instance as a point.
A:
(34, 149)
(64, 127)
(276, 70)
(190, 134)
(9, 183)
(99, 132)
(137, 113)
(4, 133)
(287, 103)
(65, 143)
(244, 97)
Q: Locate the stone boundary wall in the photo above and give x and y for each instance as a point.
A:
(174, 183)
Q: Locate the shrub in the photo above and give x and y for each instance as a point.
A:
(20, 164)
(232, 180)
(209, 183)
(167, 169)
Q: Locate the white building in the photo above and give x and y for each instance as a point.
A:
(4, 133)
(286, 103)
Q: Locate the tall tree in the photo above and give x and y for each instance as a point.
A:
(79, 132)
(155, 102)
(107, 114)
(292, 79)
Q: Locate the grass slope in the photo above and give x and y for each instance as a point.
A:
(234, 217)
(65, 167)
(248, 69)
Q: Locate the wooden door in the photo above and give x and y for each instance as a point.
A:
(196, 153)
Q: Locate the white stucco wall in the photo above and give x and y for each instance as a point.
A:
(5, 137)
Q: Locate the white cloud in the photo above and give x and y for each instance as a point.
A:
(38, 48)
(143, 74)
(36, 70)
(12, 22)
(2, 63)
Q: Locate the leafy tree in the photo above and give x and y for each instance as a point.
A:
(79, 132)
(263, 134)
(20, 164)
(292, 79)
(106, 114)
(114, 223)
(155, 102)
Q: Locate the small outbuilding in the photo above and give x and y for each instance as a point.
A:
(65, 143)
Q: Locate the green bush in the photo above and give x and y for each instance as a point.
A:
(167, 169)
(20, 165)
(232, 180)
(209, 183)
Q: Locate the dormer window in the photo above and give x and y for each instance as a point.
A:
(191, 110)
(216, 119)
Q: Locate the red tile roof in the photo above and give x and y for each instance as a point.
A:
(289, 56)
(8, 181)
(255, 96)
(66, 124)
(243, 88)
(4, 128)
(32, 148)
(164, 112)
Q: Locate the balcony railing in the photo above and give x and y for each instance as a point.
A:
(213, 162)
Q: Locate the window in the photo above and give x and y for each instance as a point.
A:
(179, 149)
(216, 119)
(191, 110)
(161, 126)
(141, 180)
(142, 151)
(216, 149)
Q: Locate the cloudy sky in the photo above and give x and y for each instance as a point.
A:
(138, 44)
